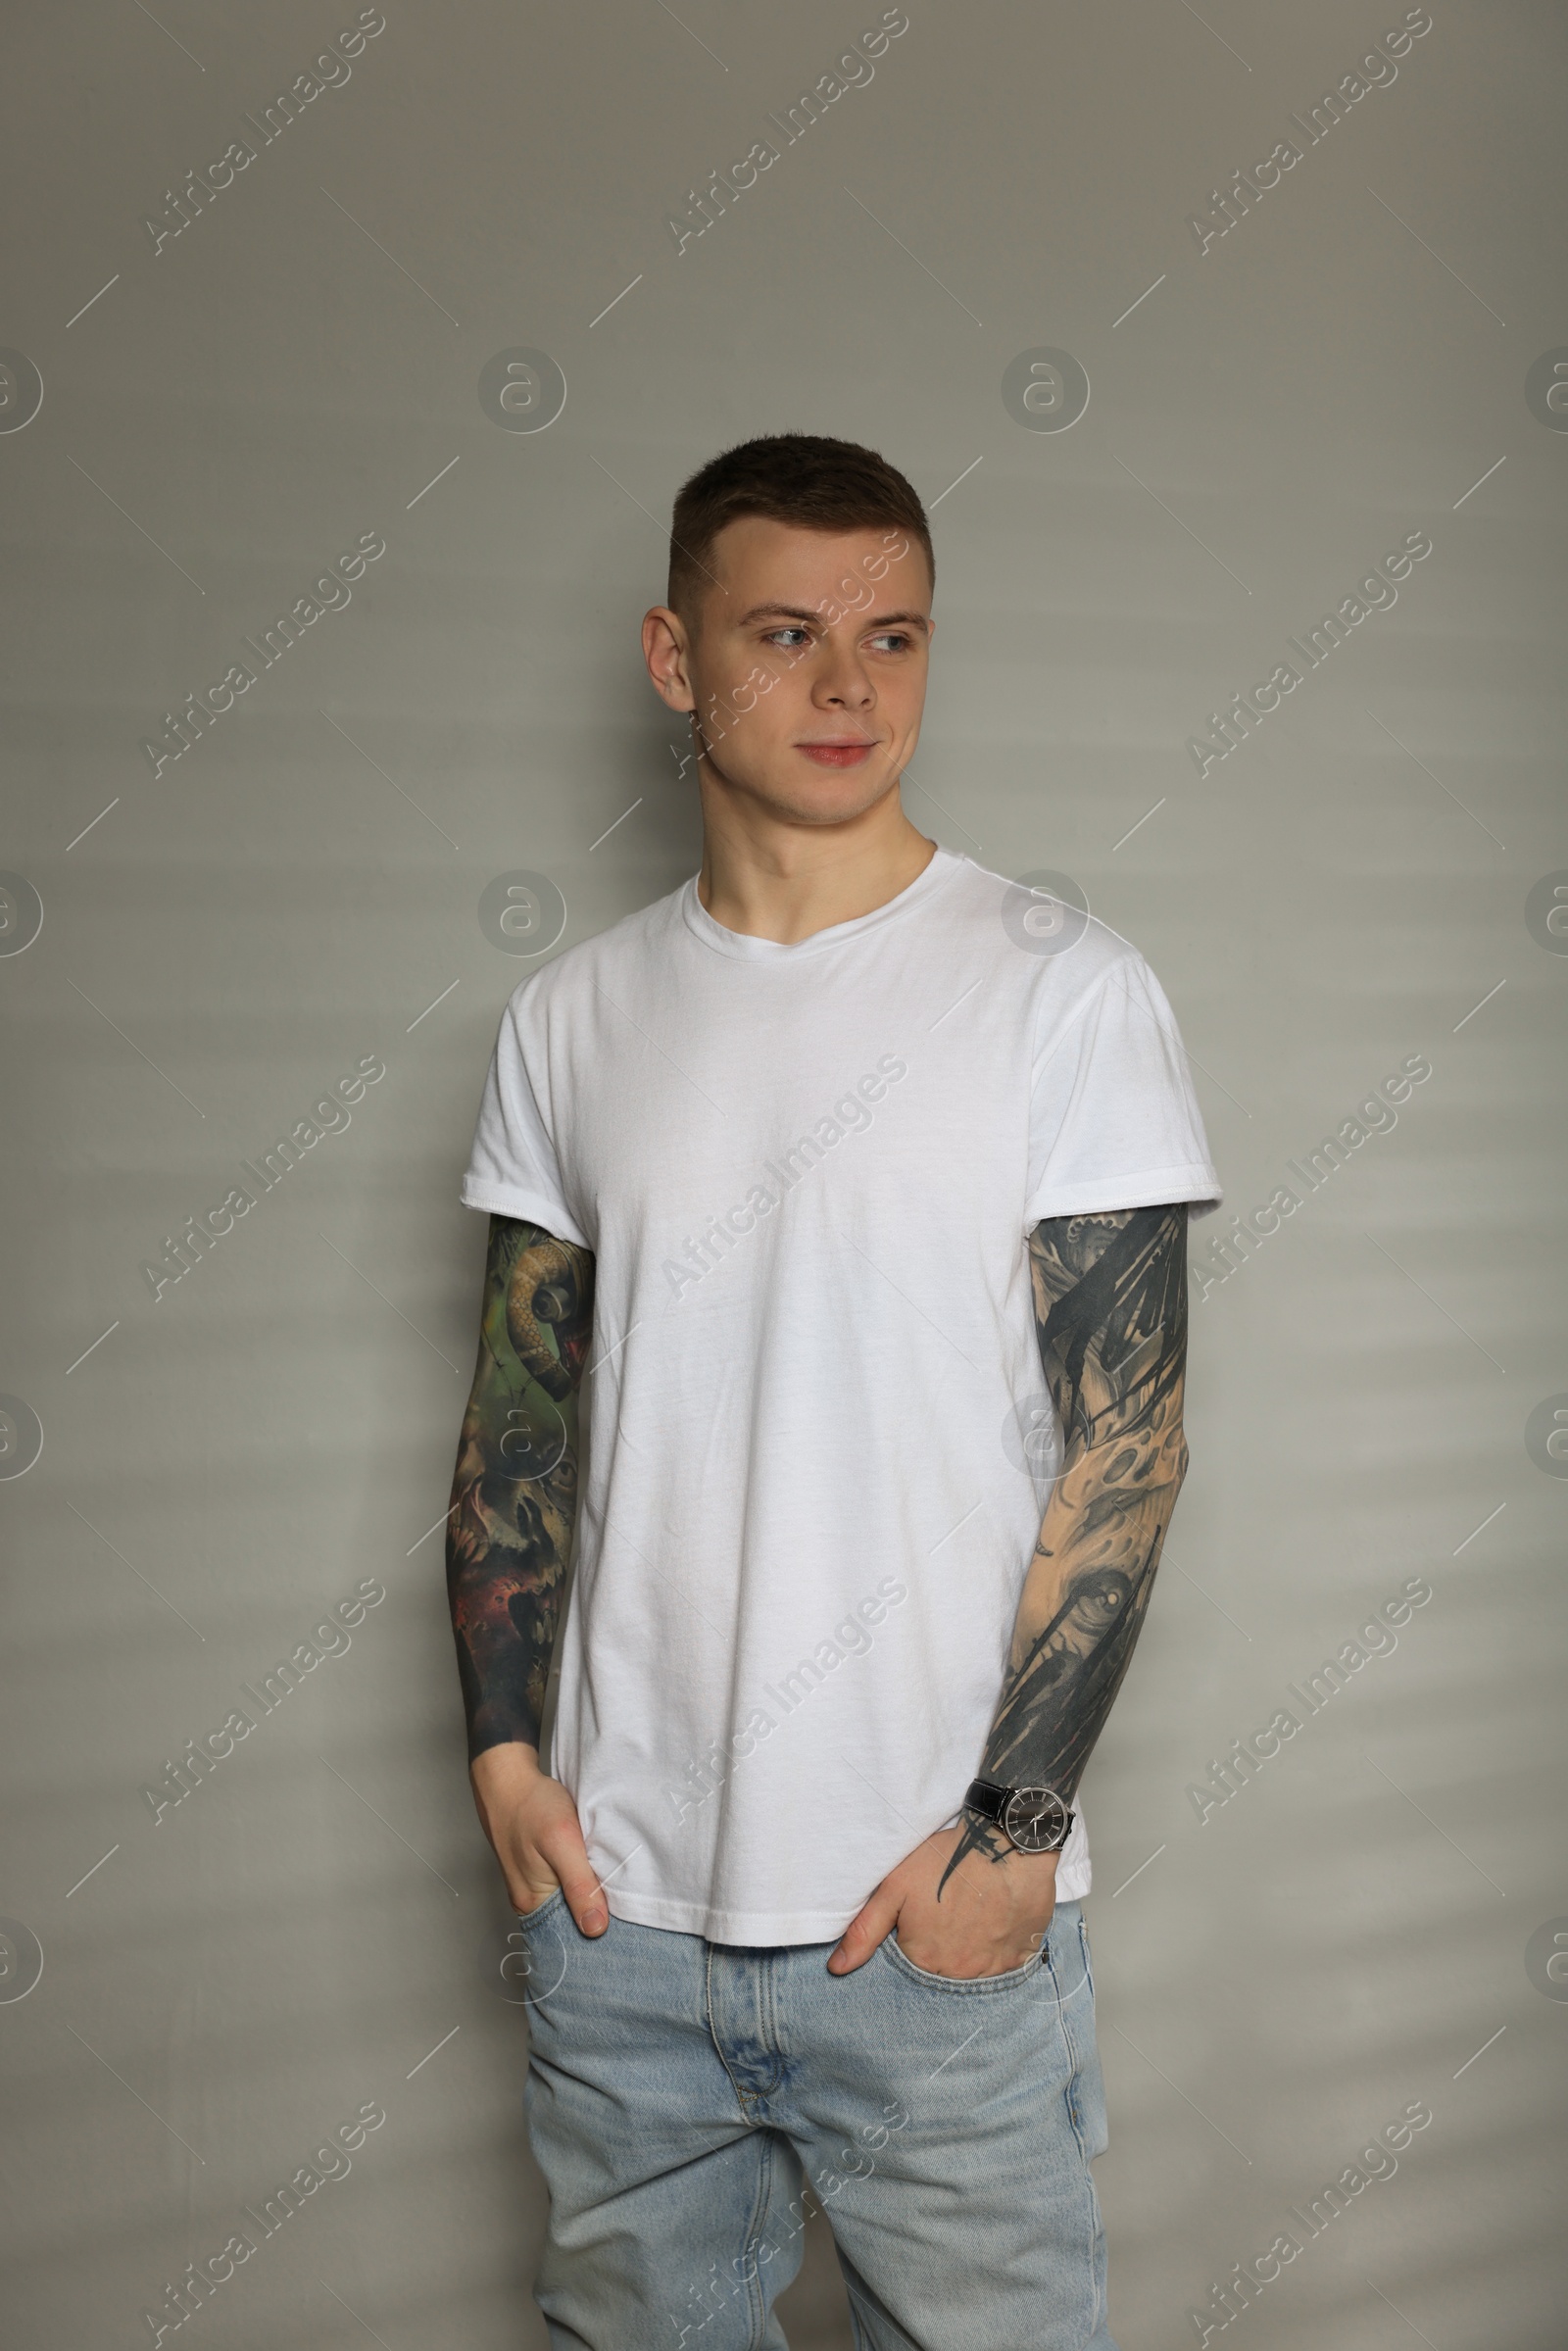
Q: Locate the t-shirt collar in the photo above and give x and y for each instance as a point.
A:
(749, 949)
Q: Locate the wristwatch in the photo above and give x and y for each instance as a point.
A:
(1034, 1819)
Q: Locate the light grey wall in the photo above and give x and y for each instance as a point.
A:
(1368, 1922)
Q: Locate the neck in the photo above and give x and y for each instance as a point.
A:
(772, 879)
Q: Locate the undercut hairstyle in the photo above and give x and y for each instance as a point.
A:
(796, 477)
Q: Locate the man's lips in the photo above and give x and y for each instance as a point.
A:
(844, 753)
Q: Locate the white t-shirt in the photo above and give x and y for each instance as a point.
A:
(818, 1435)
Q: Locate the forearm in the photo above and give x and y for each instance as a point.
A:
(513, 1493)
(1111, 1308)
(1083, 1604)
(504, 1625)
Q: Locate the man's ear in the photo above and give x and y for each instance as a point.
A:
(667, 657)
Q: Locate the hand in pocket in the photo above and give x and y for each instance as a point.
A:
(532, 1824)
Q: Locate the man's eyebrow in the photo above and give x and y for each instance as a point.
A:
(797, 612)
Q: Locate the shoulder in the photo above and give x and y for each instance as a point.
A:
(1042, 928)
(609, 960)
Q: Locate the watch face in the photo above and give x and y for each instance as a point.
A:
(1036, 1820)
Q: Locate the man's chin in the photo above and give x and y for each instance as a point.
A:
(820, 797)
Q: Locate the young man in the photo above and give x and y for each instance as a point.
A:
(813, 1167)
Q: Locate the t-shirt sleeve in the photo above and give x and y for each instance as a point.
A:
(512, 1169)
(1113, 1120)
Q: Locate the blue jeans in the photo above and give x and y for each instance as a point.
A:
(680, 2093)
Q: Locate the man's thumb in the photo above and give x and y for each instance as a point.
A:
(579, 1884)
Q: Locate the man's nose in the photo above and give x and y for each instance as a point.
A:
(844, 678)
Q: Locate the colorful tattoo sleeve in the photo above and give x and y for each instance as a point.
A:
(1110, 1312)
(514, 1491)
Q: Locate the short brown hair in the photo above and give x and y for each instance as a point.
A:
(803, 478)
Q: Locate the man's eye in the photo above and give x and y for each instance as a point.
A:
(774, 635)
(895, 637)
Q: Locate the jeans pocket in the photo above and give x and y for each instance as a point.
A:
(542, 1932)
(1008, 1980)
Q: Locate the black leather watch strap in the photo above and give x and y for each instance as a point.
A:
(987, 1799)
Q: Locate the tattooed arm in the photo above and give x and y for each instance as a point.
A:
(508, 1534)
(1110, 1309)
(1110, 1312)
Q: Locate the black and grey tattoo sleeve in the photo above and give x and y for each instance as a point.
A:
(514, 1491)
(1110, 1312)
